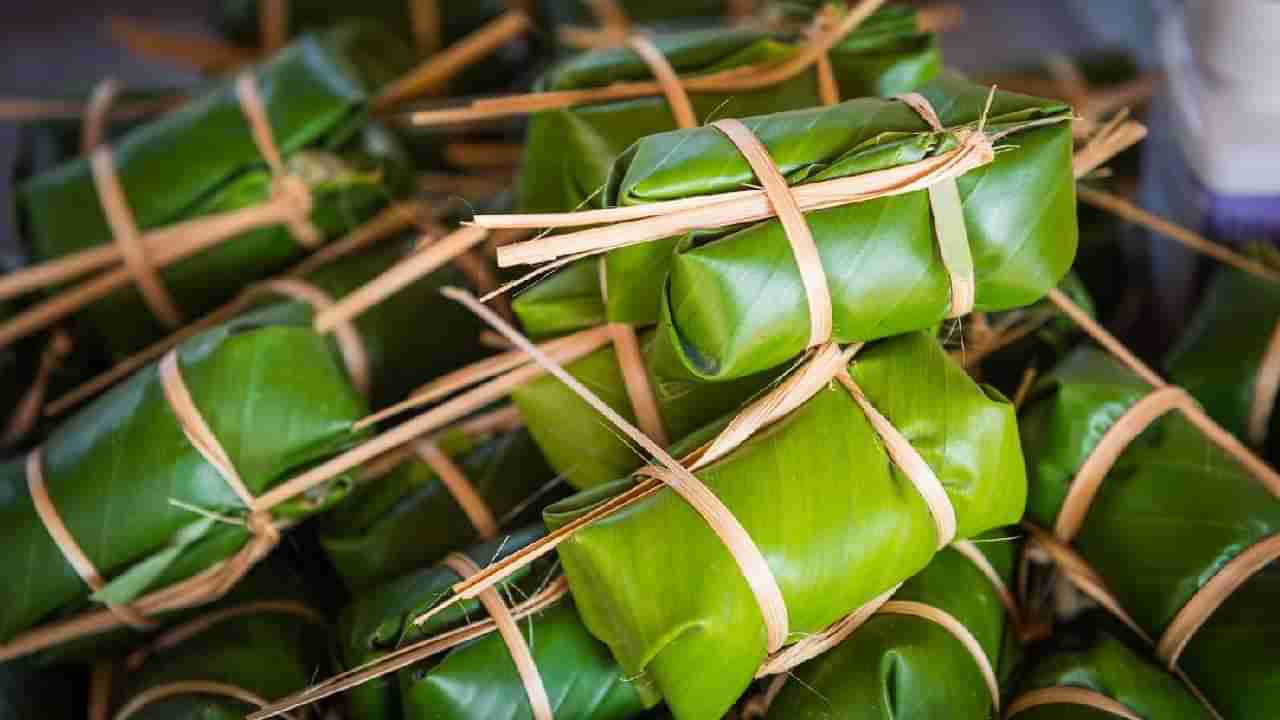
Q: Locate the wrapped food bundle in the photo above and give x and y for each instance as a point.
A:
(942, 647)
(434, 496)
(1237, 319)
(587, 453)
(253, 172)
(262, 642)
(1096, 668)
(876, 262)
(570, 150)
(1179, 526)
(550, 665)
(797, 542)
(163, 492)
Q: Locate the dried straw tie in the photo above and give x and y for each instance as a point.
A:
(99, 707)
(1068, 695)
(462, 490)
(511, 635)
(199, 589)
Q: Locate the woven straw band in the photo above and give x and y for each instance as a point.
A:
(287, 191)
(1066, 695)
(511, 635)
(944, 202)
(350, 344)
(1265, 388)
(464, 493)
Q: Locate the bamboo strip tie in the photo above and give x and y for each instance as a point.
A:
(27, 412)
(517, 646)
(1266, 386)
(190, 687)
(677, 97)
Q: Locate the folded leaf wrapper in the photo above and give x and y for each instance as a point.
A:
(124, 478)
(836, 520)
(585, 451)
(570, 151)
(1097, 654)
(262, 642)
(410, 519)
(910, 668)
(881, 256)
(1221, 358)
(478, 680)
(1170, 514)
(201, 159)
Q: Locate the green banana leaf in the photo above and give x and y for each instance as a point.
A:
(1095, 652)
(274, 397)
(408, 519)
(1170, 513)
(1218, 358)
(570, 151)
(838, 523)
(897, 667)
(50, 693)
(478, 679)
(201, 159)
(269, 653)
(881, 256)
(586, 452)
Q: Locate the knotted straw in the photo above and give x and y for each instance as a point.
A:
(517, 646)
(204, 587)
(144, 253)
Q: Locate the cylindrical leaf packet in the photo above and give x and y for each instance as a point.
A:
(1165, 517)
(204, 160)
(479, 679)
(916, 667)
(836, 520)
(148, 499)
(570, 150)
(1092, 663)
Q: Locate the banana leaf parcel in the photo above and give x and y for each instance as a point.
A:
(587, 453)
(836, 521)
(1228, 358)
(879, 258)
(907, 667)
(1096, 664)
(1165, 527)
(203, 161)
(262, 642)
(570, 150)
(145, 521)
(479, 680)
(410, 517)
